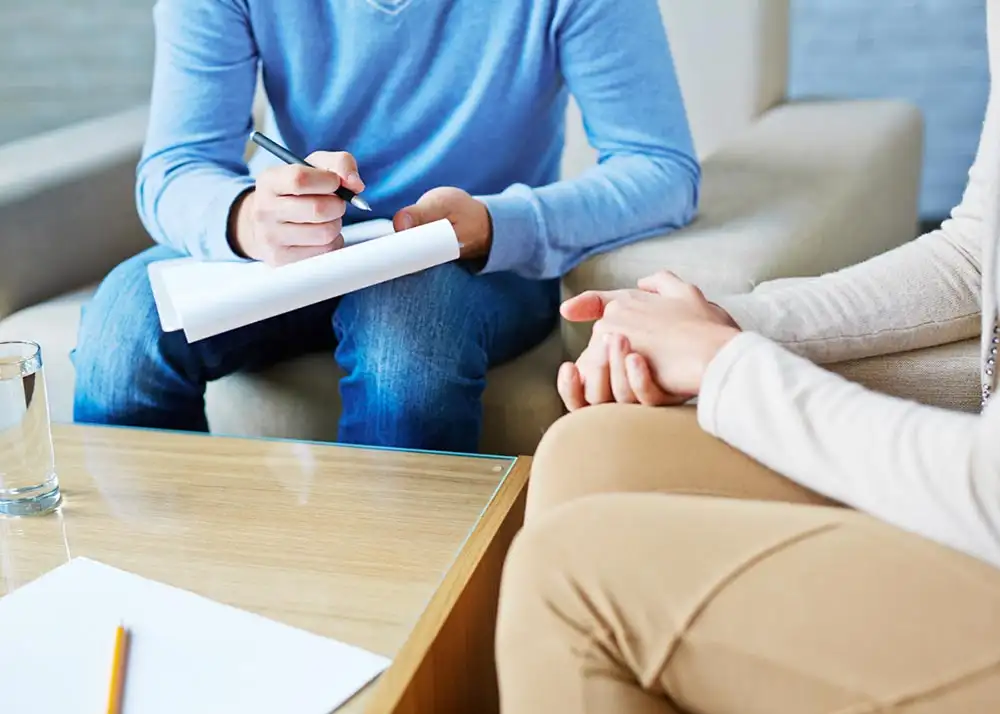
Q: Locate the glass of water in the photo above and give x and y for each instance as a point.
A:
(28, 482)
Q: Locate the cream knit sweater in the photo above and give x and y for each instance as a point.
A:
(926, 470)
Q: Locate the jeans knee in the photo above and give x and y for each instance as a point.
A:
(410, 353)
(409, 395)
(427, 310)
(120, 333)
(407, 387)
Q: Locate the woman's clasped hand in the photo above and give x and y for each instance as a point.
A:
(650, 345)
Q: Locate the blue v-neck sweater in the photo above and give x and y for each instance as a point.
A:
(426, 93)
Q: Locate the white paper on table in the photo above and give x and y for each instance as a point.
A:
(209, 298)
(186, 653)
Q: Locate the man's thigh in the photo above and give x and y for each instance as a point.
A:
(123, 313)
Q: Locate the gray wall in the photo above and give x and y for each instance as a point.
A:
(66, 60)
(932, 52)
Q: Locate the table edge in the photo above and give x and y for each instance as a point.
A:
(394, 682)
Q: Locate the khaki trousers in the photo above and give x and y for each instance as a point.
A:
(770, 601)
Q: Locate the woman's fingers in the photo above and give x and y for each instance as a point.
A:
(570, 387)
(590, 306)
(620, 387)
(645, 388)
(594, 371)
(667, 284)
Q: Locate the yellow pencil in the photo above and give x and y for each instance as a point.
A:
(118, 667)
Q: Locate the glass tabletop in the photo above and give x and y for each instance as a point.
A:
(343, 541)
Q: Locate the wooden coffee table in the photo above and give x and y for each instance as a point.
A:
(397, 552)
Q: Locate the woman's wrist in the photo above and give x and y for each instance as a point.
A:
(715, 339)
(724, 316)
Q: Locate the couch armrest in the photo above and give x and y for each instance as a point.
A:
(67, 207)
(811, 187)
(945, 376)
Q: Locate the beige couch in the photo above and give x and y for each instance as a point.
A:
(790, 189)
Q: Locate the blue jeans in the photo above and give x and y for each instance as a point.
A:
(415, 350)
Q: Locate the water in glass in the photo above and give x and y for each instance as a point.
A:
(28, 482)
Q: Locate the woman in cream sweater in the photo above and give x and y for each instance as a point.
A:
(854, 565)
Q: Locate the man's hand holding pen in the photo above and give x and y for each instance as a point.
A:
(294, 212)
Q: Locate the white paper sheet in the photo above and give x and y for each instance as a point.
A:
(208, 298)
(187, 654)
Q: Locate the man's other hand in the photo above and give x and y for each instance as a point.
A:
(469, 216)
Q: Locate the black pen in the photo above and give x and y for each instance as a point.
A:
(289, 158)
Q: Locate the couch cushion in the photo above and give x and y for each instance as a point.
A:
(299, 399)
(53, 325)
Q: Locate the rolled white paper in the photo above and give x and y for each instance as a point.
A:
(209, 298)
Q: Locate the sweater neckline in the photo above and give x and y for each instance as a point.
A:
(390, 7)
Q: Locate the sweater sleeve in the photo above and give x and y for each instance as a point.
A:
(921, 294)
(618, 66)
(929, 471)
(192, 167)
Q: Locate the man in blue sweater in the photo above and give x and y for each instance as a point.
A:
(448, 109)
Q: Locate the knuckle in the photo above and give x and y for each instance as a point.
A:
(269, 177)
(692, 291)
(316, 212)
(332, 231)
(265, 235)
(318, 157)
(441, 196)
(336, 161)
(342, 158)
(299, 178)
(262, 210)
(272, 254)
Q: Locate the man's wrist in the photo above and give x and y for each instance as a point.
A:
(482, 239)
(476, 251)
(240, 226)
(514, 240)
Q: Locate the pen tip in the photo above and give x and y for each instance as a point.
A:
(361, 203)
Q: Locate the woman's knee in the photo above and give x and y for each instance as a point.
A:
(639, 449)
(607, 448)
(558, 563)
(533, 571)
